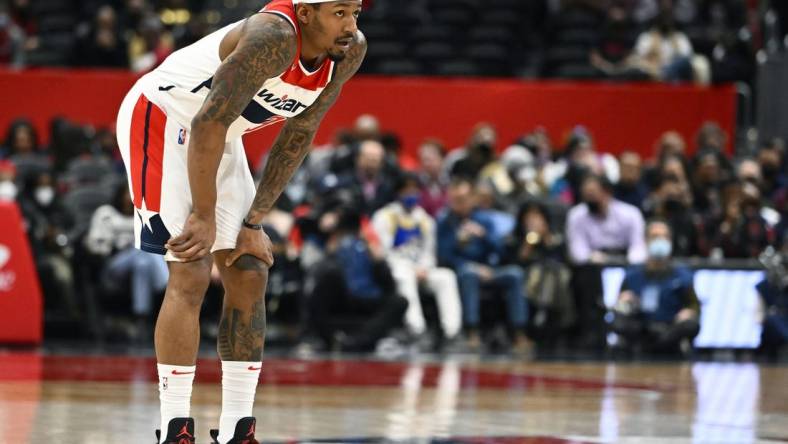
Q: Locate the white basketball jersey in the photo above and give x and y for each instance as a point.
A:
(181, 83)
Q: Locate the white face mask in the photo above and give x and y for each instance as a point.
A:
(7, 190)
(44, 195)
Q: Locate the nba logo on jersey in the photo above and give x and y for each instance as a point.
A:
(181, 136)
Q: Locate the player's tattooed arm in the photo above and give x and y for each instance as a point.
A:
(295, 139)
(266, 47)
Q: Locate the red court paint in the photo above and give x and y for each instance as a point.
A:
(288, 372)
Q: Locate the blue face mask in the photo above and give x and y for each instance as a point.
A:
(660, 248)
(409, 201)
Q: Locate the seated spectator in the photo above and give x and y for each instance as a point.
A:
(369, 183)
(675, 168)
(407, 235)
(657, 307)
(712, 139)
(111, 235)
(671, 143)
(470, 160)
(630, 187)
(468, 245)
(708, 186)
(672, 203)
(24, 152)
(47, 221)
(433, 181)
(774, 296)
(614, 46)
(663, 52)
(774, 167)
(21, 140)
(599, 230)
(602, 226)
(542, 254)
(583, 159)
(101, 44)
(741, 232)
(149, 45)
(521, 165)
(366, 127)
(748, 173)
(353, 281)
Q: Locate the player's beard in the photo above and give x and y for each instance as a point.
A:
(336, 56)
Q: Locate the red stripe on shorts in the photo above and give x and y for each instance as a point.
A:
(136, 146)
(148, 123)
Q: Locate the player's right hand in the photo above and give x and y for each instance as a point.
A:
(195, 241)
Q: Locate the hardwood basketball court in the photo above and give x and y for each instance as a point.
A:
(100, 399)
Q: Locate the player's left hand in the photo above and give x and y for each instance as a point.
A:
(254, 243)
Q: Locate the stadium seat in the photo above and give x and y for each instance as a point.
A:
(82, 202)
(491, 34)
(377, 31)
(577, 71)
(495, 60)
(404, 67)
(432, 52)
(83, 171)
(460, 67)
(424, 34)
(457, 18)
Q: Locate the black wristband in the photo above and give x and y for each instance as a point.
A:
(257, 227)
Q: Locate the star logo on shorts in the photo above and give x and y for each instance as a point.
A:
(145, 215)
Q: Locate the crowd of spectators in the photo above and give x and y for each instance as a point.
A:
(664, 40)
(489, 245)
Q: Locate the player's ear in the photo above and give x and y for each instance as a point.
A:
(305, 13)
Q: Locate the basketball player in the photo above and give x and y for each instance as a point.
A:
(179, 131)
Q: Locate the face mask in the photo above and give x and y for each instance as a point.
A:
(7, 190)
(44, 195)
(409, 201)
(770, 171)
(627, 186)
(484, 149)
(673, 205)
(660, 248)
(594, 207)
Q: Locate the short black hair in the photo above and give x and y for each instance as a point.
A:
(527, 207)
(14, 127)
(406, 179)
(602, 180)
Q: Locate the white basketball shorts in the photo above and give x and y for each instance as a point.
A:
(154, 150)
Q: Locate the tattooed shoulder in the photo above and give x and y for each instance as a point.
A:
(348, 67)
(266, 47)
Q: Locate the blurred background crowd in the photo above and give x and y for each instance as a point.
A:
(670, 40)
(494, 245)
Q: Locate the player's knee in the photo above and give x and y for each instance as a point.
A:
(252, 270)
(189, 282)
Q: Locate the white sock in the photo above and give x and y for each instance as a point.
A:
(175, 393)
(239, 383)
